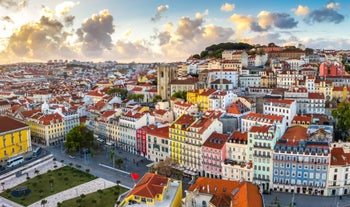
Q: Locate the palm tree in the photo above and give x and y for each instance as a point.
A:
(112, 157)
(43, 202)
(118, 162)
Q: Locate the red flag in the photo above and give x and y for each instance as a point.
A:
(135, 176)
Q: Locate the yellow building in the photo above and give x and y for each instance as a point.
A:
(14, 138)
(340, 93)
(200, 97)
(46, 128)
(187, 135)
(191, 96)
(155, 190)
(325, 87)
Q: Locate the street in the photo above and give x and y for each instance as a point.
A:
(131, 163)
(301, 200)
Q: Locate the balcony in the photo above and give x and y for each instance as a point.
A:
(262, 146)
(261, 155)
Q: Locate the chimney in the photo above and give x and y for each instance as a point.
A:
(208, 189)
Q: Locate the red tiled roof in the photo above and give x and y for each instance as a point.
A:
(8, 124)
(47, 119)
(149, 186)
(239, 136)
(162, 132)
(262, 129)
(107, 114)
(295, 133)
(227, 192)
(216, 140)
(307, 119)
(316, 96)
(339, 157)
(160, 111)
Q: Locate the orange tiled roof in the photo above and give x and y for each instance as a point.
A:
(315, 95)
(307, 119)
(216, 140)
(262, 129)
(47, 119)
(295, 133)
(339, 157)
(239, 136)
(227, 192)
(149, 186)
(280, 101)
(162, 132)
(8, 124)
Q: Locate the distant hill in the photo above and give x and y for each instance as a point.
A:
(216, 50)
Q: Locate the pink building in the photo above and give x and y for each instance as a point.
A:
(332, 69)
(214, 154)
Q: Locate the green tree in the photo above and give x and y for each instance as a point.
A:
(78, 138)
(111, 155)
(180, 94)
(43, 202)
(136, 97)
(342, 117)
(157, 98)
(118, 162)
(197, 56)
(118, 91)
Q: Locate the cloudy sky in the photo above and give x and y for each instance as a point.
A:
(162, 30)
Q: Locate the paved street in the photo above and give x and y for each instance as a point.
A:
(132, 163)
(305, 200)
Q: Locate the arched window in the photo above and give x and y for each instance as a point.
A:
(204, 204)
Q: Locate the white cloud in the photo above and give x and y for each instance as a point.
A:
(64, 7)
(242, 22)
(333, 5)
(301, 10)
(227, 7)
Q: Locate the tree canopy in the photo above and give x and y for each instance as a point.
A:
(157, 98)
(79, 138)
(180, 94)
(118, 91)
(216, 50)
(136, 97)
(342, 116)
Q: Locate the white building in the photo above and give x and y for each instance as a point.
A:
(285, 108)
(128, 124)
(246, 81)
(287, 78)
(253, 119)
(220, 100)
(228, 74)
(236, 166)
(338, 182)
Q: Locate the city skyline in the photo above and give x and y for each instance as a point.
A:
(162, 31)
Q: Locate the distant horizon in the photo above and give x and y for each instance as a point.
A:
(153, 31)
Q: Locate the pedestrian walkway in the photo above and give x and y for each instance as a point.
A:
(85, 188)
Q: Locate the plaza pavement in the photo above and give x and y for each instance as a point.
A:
(43, 166)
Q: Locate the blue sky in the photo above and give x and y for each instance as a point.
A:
(162, 31)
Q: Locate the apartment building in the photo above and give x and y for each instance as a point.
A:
(187, 134)
(213, 155)
(15, 138)
(285, 108)
(261, 142)
(236, 166)
(128, 124)
(300, 165)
